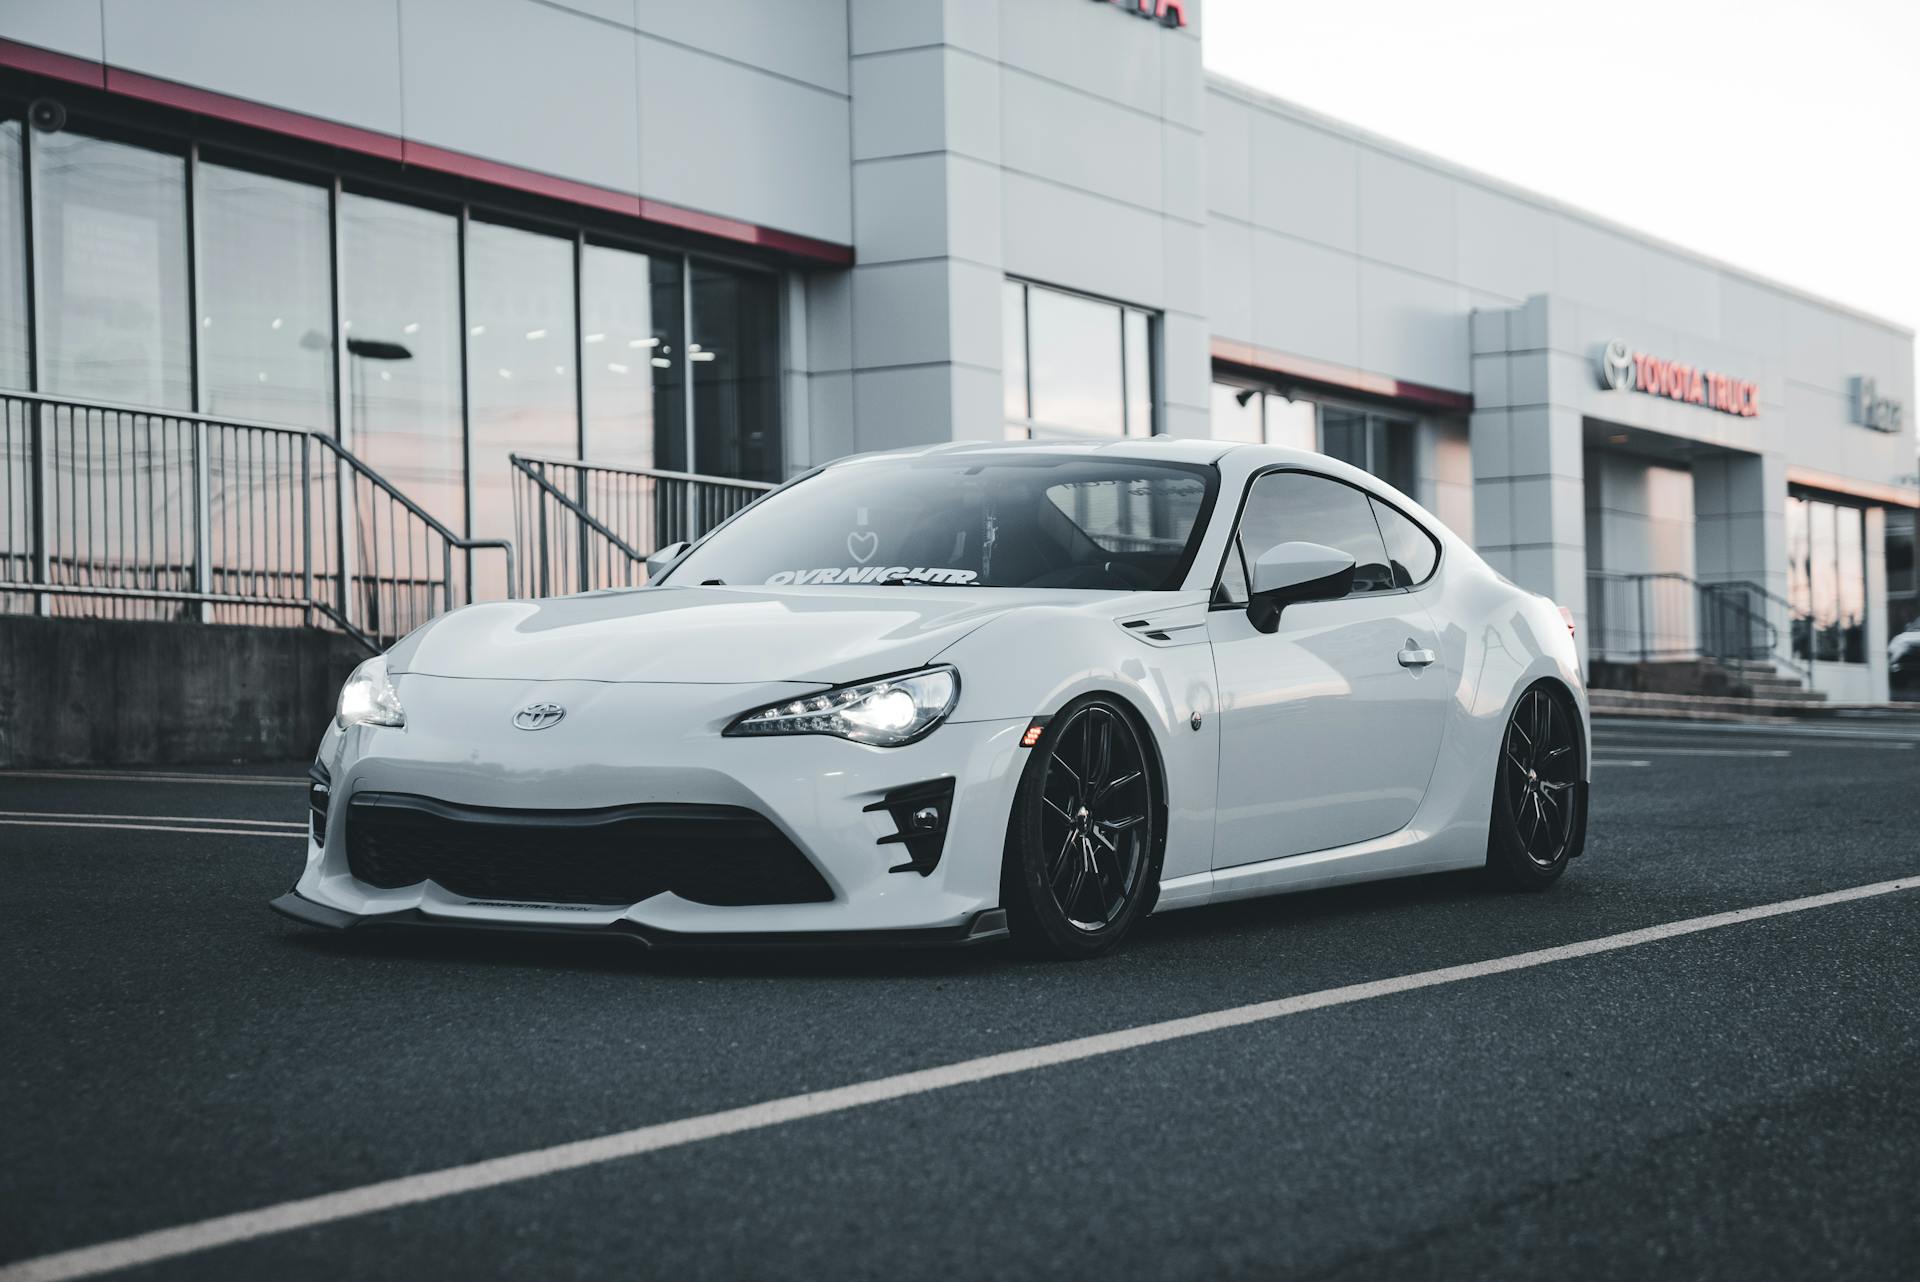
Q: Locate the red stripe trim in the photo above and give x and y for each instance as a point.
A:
(168, 93)
(1267, 361)
(45, 62)
(459, 163)
(293, 124)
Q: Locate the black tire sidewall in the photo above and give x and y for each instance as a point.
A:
(1507, 859)
(1036, 923)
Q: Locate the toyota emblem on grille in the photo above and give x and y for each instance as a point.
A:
(538, 716)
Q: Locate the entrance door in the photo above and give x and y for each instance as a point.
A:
(1330, 725)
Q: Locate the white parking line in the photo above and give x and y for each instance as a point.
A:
(1643, 762)
(226, 832)
(180, 819)
(245, 781)
(1641, 750)
(368, 1199)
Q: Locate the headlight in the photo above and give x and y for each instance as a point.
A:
(886, 712)
(368, 698)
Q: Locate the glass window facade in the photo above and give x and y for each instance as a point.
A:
(734, 356)
(400, 324)
(1075, 366)
(1378, 443)
(435, 338)
(13, 258)
(110, 233)
(266, 297)
(1827, 580)
(631, 345)
(1256, 417)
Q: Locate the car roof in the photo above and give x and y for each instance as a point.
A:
(1175, 449)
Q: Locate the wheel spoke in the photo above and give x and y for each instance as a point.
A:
(1115, 785)
(1057, 809)
(1551, 786)
(1060, 860)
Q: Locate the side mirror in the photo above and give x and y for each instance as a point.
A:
(1290, 572)
(663, 560)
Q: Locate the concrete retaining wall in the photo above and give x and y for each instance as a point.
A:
(103, 692)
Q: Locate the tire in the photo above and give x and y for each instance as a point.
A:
(1539, 819)
(1086, 839)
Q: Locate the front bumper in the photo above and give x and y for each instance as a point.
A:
(638, 744)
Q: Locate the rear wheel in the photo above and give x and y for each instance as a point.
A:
(1083, 850)
(1539, 808)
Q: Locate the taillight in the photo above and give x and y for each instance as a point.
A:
(1566, 616)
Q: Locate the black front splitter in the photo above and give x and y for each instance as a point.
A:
(985, 927)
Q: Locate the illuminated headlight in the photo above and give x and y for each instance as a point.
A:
(368, 698)
(886, 712)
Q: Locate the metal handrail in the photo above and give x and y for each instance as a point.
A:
(580, 524)
(1641, 617)
(106, 506)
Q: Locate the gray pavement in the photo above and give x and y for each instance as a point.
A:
(1737, 1103)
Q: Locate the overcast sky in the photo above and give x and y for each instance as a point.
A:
(1781, 137)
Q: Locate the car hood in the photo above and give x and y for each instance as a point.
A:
(710, 634)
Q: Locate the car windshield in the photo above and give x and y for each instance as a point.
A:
(1012, 520)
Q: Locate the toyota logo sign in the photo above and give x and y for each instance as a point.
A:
(538, 716)
(1616, 366)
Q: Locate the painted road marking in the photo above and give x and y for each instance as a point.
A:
(224, 832)
(246, 781)
(181, 819)
(1871, 745)
(1639, 749)
(1613, 762)
(409, 1190)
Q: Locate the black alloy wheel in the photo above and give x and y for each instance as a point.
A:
(1083, 851)
(1539, 806)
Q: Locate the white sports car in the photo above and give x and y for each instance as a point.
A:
(964, 692)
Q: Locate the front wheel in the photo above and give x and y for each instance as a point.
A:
(1083, 850)
(1539, 808)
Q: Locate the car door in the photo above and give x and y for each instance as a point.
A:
(1330, 725)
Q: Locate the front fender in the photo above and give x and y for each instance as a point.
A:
(1032, 663)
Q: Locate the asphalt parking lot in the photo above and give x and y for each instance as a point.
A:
(1731, 1102)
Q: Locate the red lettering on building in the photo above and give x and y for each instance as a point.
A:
(1687, 384)
(1171, 13)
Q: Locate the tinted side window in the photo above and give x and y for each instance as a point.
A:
(1289, 507)
(1411, 551)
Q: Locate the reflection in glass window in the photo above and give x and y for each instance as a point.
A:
(1827, 580)
(1823, 575)
(1252, 416)
(631, 346)
(266, 304)
(1290, 507)
(1236, 414)
(735, 358)
(1411, 551)
(520, 376)
(1372, 442)
(1075, 351)
(112, 251)
(1850, 546)
(401, 288)
(1075, 366)
(13, 260)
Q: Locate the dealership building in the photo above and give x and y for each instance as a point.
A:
(739, 238)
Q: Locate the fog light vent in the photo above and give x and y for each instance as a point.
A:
(920, 813)
(319, 794)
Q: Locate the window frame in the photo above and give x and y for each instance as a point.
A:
(1233, 548)
(1155, 425)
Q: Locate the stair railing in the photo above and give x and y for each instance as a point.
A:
(117, 511)
(581, 526)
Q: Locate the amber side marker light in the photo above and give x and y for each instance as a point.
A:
(1035, 728)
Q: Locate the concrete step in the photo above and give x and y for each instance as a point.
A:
(1695, 707)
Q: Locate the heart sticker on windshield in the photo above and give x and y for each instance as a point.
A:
(862, 544)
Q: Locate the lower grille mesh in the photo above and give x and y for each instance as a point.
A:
(621, 855)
